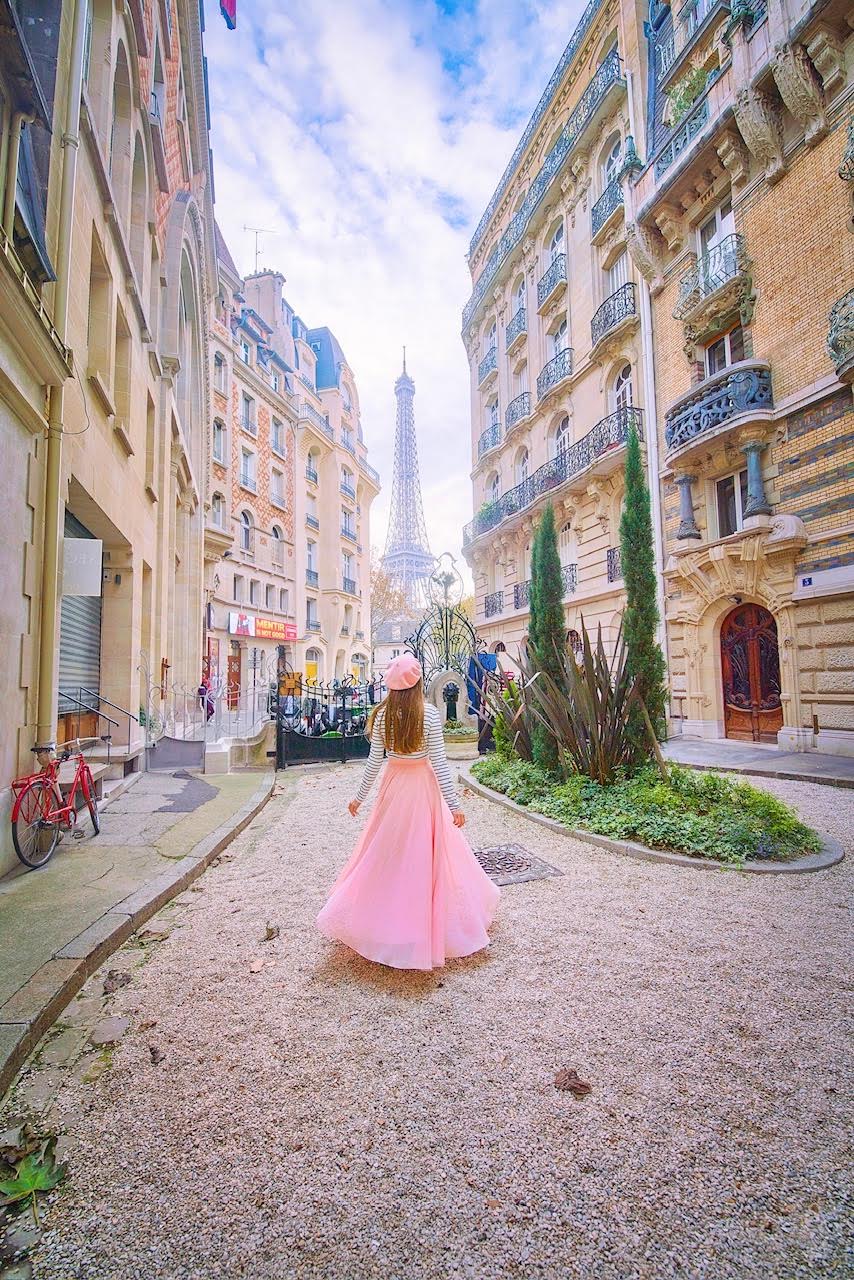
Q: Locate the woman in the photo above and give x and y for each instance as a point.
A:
(413, 895)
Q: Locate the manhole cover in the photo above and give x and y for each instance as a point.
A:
(513, 863)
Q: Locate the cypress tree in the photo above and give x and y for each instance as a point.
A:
(546, 630)
(644, 657)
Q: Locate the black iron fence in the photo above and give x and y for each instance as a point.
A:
(317, 721)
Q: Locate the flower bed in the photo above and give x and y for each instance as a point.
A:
(457, 731)
(699, 814)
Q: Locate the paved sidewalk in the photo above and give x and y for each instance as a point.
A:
(57, 924)
(769, 761)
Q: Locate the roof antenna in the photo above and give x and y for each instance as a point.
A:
(404, 359)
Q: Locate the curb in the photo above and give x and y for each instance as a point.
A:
(831, 854)
(32, 1010)
(754, 771)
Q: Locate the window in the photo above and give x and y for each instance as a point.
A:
(618, 274)
(310, 548)
(347, 564)
(269, 597)
(621, 393)
(522, 466)
(247, 414)
(283, 600)
(247, 533)
(347, 438)
(311, 508)
(519, 296)
(218, 441)
(611, 164)
(726, 350)
(730, 502)
(239, 583)
(254, 590)
(278, 548)
(560, 338)
(492, 413)
(563, 436)
(277, 488)
(274, 381)
(247, 469)
(219, 372)
(718, 252)
(493, 488)
(277, 437)
(311, 613)
(218, 510)
(245, 351)
(347, 525)
(347, 482)
(555, 248)
(395, 653)
(492, 337)
(566, 545)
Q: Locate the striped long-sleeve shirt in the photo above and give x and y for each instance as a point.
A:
(434, 749)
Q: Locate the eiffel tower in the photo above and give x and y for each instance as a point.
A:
(407, 559)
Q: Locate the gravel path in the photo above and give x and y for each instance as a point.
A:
(323, 1117)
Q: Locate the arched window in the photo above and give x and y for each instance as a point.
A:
(247, 530)
(493, 487)
(611, 162)
(278, 548)
(566, 544)
(218, 510)
(138, 212)
(522, 466)
(519, 296)
(576, 645)
(218, 440)
(622, 390)
(556, 243)
(492, 337)
(562, 436)
(560, 338)
(119, 157)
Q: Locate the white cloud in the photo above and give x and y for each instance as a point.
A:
(369, 135)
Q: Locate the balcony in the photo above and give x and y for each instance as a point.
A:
(615, 564)
(487, 366)
(33, 326)
(516, 330)
(349, 584)
(249, 425)
(569, 576)
(493, 604)
(614, 312)
(348, 491)
(591, 109)
(605, 437)
(312, 522)
(717, 284)
(682, 137)
(488, 439)
(308, 413)
(517, 410)
(311, 578)
(370, 472)
(738, 395)
(247, 481)
(360, 635)
(840, 336)
(552, 283)
(345, 630)
(605, 210)
(521, 594)
(312, 624)
(311, 475)
(557, 369)
(347, 531)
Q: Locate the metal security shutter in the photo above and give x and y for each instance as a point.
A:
(79, 634)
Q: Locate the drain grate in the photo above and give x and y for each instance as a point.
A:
(513, 863)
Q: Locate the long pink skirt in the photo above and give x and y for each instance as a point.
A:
(413, 894)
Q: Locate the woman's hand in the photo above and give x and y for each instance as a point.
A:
(353, 806)
(459, 818)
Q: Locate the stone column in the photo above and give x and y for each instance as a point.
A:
(757, 503)
(687, 523)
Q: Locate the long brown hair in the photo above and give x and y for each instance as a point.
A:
(403, 720)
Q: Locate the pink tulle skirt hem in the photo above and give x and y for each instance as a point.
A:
(413, 894)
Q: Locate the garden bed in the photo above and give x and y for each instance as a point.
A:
(698, 818)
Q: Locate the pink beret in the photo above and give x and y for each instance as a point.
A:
(403, 672)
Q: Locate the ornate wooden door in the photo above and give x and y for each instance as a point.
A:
(750, 661)
(233, 679)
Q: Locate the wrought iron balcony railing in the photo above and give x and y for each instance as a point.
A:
(522, 594)
(724, 262)
(370, 471)
(488, 439)
(555, 371)
(517, 326)
(311, 474)
(347, 531)
(606, 75)
(360, 635)
(309, 412)
(493, 604)
(550, 280)
(682, 137)
(613, 311)
(348, 490)
(312, 522)
(488, 364)
(610, 199)
(247, 481)
(569, 574)
(840, 335)
(615, 564)
(349, 584)
(517, 409)
(608, 434)
(311, 577)
(312, 624)
(729, 394)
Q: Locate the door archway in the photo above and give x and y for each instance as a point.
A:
(750, 666)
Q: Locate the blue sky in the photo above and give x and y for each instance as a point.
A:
(368, 135)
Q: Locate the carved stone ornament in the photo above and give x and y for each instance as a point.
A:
(758, 120)
(670, 223)
(643, 246)
(734, 157)
(800, 89)
(828, 58)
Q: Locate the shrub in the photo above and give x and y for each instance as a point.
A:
(701, 814)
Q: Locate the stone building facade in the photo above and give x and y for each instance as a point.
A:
(107, 270)
(731, 190)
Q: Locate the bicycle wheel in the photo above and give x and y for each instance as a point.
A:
(34, 832)
(91, 799)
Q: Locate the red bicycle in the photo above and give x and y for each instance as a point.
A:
(41, 812)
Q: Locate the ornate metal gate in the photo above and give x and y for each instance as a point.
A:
(445, 639)
(317, 722)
